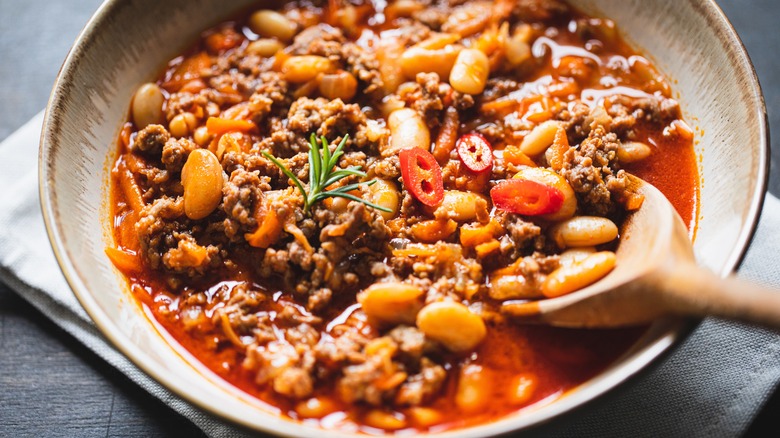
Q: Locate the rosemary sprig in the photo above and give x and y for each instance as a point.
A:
(324, 173)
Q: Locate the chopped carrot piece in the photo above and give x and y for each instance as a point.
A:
(192, 67)
(433, 230)
(558, 149)
(219, 126)
(224, 40)
(513, 155)
(124, 260)
(267, 232)
(475, 235)
(485, 249)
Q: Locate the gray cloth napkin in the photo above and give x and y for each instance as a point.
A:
(712, 385)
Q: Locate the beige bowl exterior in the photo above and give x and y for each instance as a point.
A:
(127, 43)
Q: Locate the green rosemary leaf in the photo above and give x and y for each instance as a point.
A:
(361, 200)
(341, 174)
(315, 164)
(326, 159)
(350, 187)
(339, 151)
(324, 172)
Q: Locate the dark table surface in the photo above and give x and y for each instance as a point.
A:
(51, 385)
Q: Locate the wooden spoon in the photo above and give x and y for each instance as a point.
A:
(655, 275)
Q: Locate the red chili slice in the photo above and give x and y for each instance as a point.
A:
(422, 176)
(475, 152)
(526, 197)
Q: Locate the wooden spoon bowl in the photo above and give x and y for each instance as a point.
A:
(656, 275)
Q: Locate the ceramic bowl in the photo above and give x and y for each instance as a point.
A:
(126, 44)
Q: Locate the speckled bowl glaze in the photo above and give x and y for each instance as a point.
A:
(126, 44)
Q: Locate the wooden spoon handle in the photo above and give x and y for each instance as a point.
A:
(694, 291)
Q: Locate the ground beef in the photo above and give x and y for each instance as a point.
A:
(242, 310)
(498, 87)
(241, 194)
(623, 119)
(239, 326)
(590, 170)
(529, 274)
(357, 384)
(175, 153)
(321, 40)
(524, 234)
(189, 257)
(371, 380)
(576, 117)
(430, 96)
(167, 242)
(654, 109)
(411, 342)
(329, 268)
(444, 272)
(151, 140)
(387, 167)
(287, 368)
(153, 181)
(364, 66)
(270, 97)
(345, 347)
(420, 387)
(181, 102)
(411, 32)
(232, 82)
(319, 299)
(329, 118)
(219, 99)
(282, 142)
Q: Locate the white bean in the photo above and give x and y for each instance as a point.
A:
(391, 303)
(202, 136)
(339, 85)
(385, 194)
(470, 72)
(416, 60)
(462, 206)
(513, 287)
(568, 279)
(265, 47)
(271, 24)
(474, 388)
(408, 130)
(451, 324)
(633, 151)
(182, 124)
(202, 179)
(385, 420)
(304, 68)
(575, 255)
(540, 138)
(584, 231)
(148, 105)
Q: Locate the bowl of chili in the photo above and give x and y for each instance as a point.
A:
(93, 108)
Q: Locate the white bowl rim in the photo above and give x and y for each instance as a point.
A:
(642, 362)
